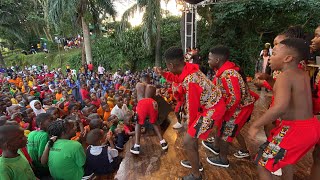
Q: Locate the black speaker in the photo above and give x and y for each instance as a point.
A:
(193, 1)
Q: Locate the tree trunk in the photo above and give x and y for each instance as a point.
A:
(46, 32)
(45, 15)
(2, 60)
(158, 45)
(83, 55)
(182, 30)
(86, 37)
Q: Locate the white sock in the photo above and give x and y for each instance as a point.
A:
(136, 145)
(162, 141)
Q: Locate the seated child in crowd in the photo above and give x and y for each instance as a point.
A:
(100, 159)
(37, 141)
(13, 165)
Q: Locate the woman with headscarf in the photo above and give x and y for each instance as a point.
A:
(52, 88)
(37, 107)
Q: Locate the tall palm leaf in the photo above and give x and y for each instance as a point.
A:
(150, 24)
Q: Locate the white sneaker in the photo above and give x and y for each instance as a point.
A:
(210, 139)
(277, 173)
(177, 126)
(241, 154)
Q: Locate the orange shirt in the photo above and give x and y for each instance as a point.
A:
(76, 138)
(58, 96)
(19, 81)
(103, 114)
(100, 111)
(106, 116)
(14, 81)
(111, 105)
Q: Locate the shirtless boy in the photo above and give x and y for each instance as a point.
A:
(147, 107)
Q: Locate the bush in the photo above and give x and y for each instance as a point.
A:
(51, 59)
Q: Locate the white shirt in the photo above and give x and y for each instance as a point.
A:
(270, 52)
(101, 70)
(126, 110)
(118, 112)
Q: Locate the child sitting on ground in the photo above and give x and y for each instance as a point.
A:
(101, 159)
(37, 141)
(104, 111)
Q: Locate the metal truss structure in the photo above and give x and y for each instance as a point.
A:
(190, 22)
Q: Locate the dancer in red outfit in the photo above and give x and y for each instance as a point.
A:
(239, 104)
(204, 105)
(268, 81)
(293, 104)
(147, 107)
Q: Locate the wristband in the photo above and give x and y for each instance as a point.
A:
(50, 143)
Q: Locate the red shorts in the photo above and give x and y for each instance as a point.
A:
(147, 107)
(288, 142)
(228, 130)
(178, 106)
(203, 124)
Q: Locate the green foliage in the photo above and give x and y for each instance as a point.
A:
(245, 26)
(127, 51)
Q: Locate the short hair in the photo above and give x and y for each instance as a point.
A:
(221, 51)
(174, 55)
(56, 128)
(71, 106)
(94, 136)
(144, 77)
(93, 116)
(6, 132)
(42, 117)
(294, 32)
(95, 123)
(51, 110)
(299, 46)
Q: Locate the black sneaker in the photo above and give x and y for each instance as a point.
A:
(164, 146)
(186, 164)
(135, 150)
(210, 147)
(216, 161)
(191, 177)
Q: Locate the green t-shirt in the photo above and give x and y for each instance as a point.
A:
(130, 107)
(37, 94)
(66, 160)
(17, 168)
(162, 80)
(37, 141)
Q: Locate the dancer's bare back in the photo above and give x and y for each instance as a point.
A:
(145, 90)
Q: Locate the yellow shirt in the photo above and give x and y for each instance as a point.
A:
(14, 101)
(30, 84)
